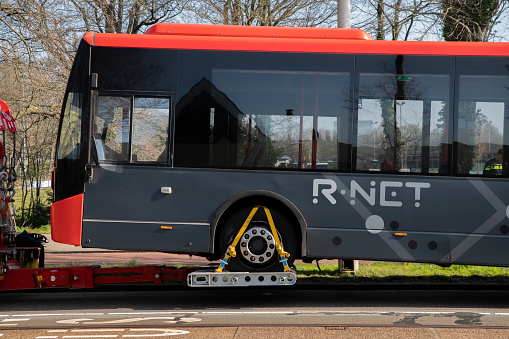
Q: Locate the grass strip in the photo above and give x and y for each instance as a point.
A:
(46, 229)
(385, 272)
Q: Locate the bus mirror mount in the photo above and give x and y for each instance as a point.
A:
(89, 172)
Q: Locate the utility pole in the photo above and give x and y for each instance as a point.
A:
(344, 21)
(344, 14)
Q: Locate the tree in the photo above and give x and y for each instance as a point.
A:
(38, 41)
(125, 16)
(470, 20)
(397, 19)
(380, 31)
(266, 12)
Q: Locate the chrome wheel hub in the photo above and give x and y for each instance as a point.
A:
(257, 245)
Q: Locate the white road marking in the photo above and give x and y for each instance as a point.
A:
(6, 320)
(148, 313)
(55, 314)
(101, 330)
(450, 312)
(165, 333)
(249, 312)
(87, 321)
(92, 336)
(47, 337)
(130, 320)
(72, 321)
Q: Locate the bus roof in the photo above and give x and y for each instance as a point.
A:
(259, 31)
(286, 39)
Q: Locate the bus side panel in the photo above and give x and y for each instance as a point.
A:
(66, 220)
(127, 193)
(385, 245)
(479, 249)
(132, 235)
(125, 208)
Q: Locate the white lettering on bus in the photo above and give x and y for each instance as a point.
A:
(383, 201)
(386, 199)
(327, 192)
(356, 188)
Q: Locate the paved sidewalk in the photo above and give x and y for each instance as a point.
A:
(57, 254)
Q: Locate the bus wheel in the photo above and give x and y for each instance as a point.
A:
(256, 250)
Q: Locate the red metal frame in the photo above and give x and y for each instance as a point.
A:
(286, 39)
(16, 274)
(17, 278)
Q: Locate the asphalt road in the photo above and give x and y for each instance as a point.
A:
(264, 313)
(309, 311)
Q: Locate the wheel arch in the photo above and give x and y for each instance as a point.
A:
(265, 198)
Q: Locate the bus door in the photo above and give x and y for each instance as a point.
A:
(129, 167)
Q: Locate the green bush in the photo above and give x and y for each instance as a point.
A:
(35, 215)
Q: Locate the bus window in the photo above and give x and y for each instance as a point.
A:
(482, 116)
(402, 116)
(76, 101)
(70, 132)
(112, 127)
(150, 129)
(72, 142)
(283, 115)
(149, 121)
(249, 117)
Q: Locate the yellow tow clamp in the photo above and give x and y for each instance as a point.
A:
(231, 253)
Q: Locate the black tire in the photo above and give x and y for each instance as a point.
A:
(257, 244)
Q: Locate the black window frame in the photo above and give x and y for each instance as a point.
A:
(202, 62)
(132, 95)
(479, 65)
(420, 64)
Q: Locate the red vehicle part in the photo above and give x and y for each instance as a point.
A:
(66, 220)
(16, 278)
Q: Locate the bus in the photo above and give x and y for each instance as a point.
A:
(360, 149)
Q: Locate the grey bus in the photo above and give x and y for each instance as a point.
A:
(360, 149)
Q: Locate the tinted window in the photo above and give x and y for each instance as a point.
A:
(135, 69)
(75, 103)
(112, 128)
(402, 120)
(72, 144)
(151, 117)
(482, 128)
(263, 110)
(132, 129)
(70, 130)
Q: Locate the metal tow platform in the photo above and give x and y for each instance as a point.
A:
(222, 279)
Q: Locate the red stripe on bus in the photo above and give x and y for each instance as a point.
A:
(89, 37)
(197, 38)
(66, 220)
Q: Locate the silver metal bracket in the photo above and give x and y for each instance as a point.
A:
(166, 190)
(213, 278)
